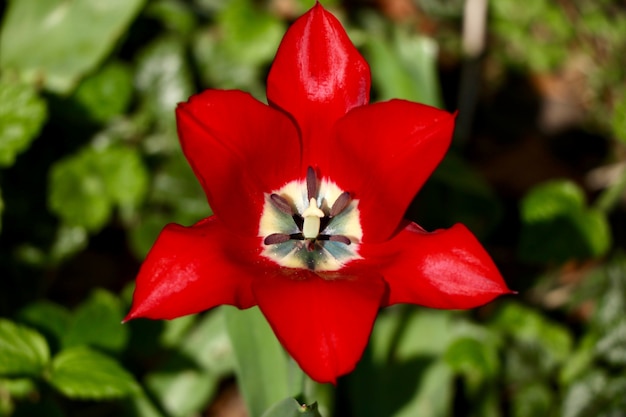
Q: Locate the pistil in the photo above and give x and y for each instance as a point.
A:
(312, 219)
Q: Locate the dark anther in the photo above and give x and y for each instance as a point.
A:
(340, 204)
(311, 183)
(339, 238)
(296, 236)
(275, 238)
(281, 204)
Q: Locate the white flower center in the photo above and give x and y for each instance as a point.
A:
(310, 224)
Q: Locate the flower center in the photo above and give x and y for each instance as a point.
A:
(310, 224)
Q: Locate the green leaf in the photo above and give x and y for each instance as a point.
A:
(182, 392)
(473, 358)
(22, 114)
(557, 225)
(77, 193)
(176, 15)
(189, 379)
(82, 373)
(22, 351)
(106, 93)
(209, 345)
(56, 42)
(401, 373)
(236, 54)
(403, 66)
(262, 368)
(289, 407)
(97, 322)
(540, 345)
(84, 187)
(163, 77)
(49, 318)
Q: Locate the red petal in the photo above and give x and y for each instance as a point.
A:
(383, 154)
(445, 269)
(239, 148)
(191, 269)
(323, 323)
(317, 77)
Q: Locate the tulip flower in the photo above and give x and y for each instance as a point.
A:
(309, 195)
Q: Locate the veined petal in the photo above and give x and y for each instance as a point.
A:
(191, 269)
(324, 323)
(383, 153)
(317, 77)
(239, 148)
(443, 269)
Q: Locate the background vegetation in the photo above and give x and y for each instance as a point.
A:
(91, 170)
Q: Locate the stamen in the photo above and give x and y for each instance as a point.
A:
(311, 183)
(276, 238)
(281, 204)
(340, 204)
(340, 238)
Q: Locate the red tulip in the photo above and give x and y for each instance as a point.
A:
(308, 195)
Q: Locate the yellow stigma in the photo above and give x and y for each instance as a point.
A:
(312, 216)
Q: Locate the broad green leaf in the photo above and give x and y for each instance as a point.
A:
(97, 322)
(405, 67)
(182, 392)
(124, 174)
(289, 407)
(473, 358)
(236, 53)
(401, 373)
(22, 351)
(106, 93)
(22, 114)
(557, 225)
(262, 370)
(56, 42)
(164, 79)
(85, 187)
(82, 373)
(176, 15)
(539, 345)
(49, 318)
(77, 192)
(68, 241)
(209, 345)
(426, 332)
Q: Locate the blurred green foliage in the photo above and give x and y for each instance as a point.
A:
(91, 170)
